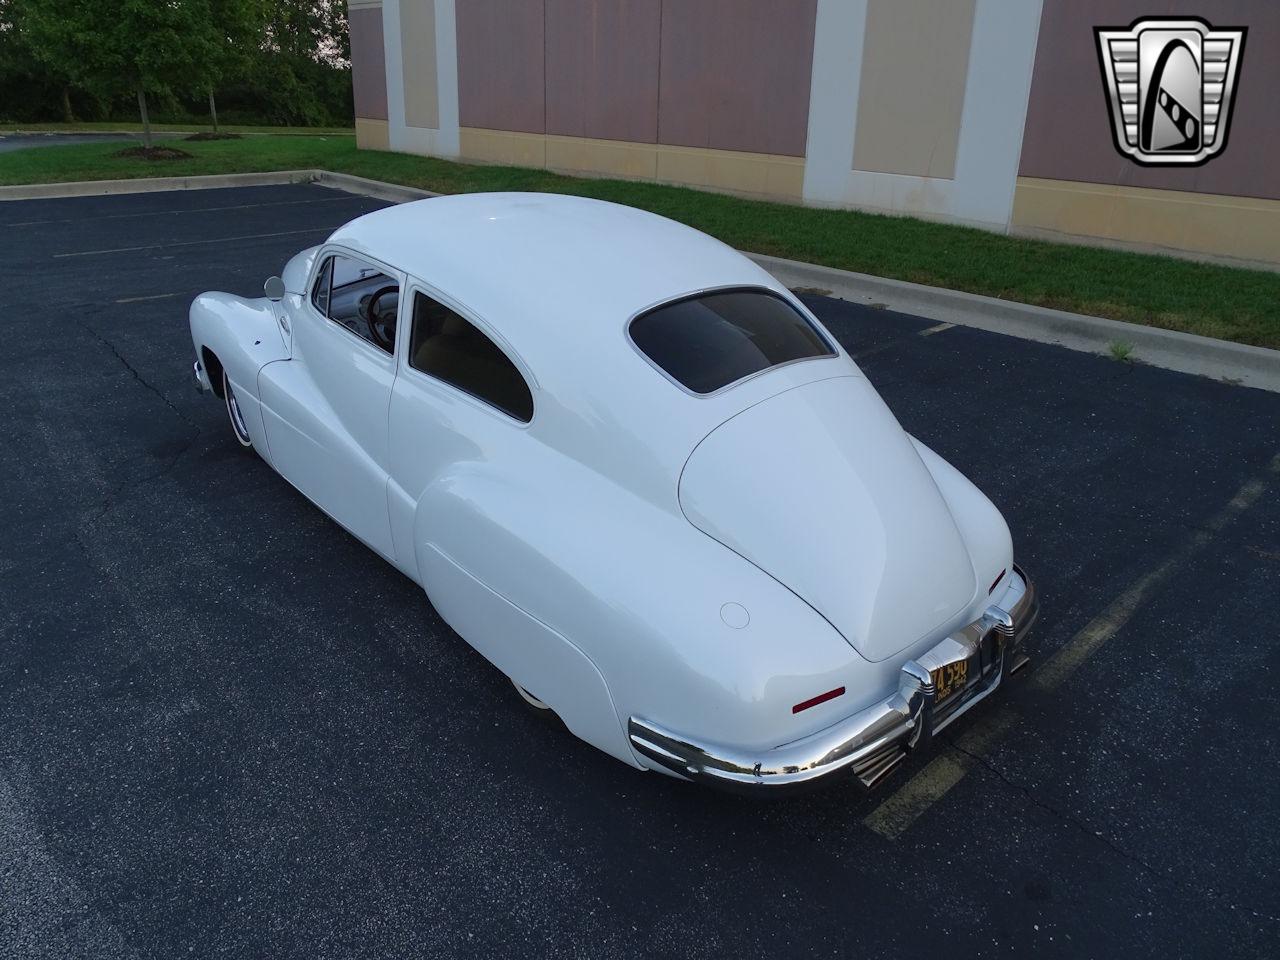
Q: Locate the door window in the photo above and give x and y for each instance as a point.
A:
(449, 348)
(360, 297)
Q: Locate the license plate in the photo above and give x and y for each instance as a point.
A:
(949, 680)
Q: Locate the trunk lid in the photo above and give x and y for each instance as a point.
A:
(821, 488)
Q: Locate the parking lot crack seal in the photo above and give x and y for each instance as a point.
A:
(138, 376)
(112, 497)
(1098, 835)
(1049, 808)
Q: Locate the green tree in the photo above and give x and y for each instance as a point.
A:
(241, 26)
(26, 87)
(140, 46)
(309, 29)
(303, 74)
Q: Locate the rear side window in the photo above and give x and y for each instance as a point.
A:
(714, 339)
(449, 348)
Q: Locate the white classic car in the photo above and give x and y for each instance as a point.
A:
(635, 472)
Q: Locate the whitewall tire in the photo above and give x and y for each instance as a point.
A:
(529, 698)
(235, 414)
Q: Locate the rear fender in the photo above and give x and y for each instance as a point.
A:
(652, 605)
(981, 525)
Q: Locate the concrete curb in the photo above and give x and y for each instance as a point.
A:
(1221, 359)
(1204, 356)
(95, 188)
(379, 189)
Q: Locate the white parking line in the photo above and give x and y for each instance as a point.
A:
(905, 805)
(193, 243)
(154, 296)
(1104, 626)
(917, 795)
(938, 329)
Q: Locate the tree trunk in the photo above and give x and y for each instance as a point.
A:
(146, 121)
(67, 115)
(213, 110)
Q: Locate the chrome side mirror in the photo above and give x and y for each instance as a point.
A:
(274, 289)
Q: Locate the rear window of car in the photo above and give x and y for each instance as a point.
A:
(711, 340)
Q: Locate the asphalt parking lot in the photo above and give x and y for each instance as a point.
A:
(21, 141)
(228, 729)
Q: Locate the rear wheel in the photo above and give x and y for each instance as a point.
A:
(538, 708)
(530, 699)
(235, 414)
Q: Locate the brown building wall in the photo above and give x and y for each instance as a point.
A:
(719, 74)
(602, 76)
(368, 63)
(1068, 131)
(500, 65)
(736, 73)
(716, 93)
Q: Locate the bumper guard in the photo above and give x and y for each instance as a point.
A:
(874, 741)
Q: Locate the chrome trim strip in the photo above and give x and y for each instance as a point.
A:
(868, 744)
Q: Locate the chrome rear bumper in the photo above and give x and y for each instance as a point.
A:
(870, 743)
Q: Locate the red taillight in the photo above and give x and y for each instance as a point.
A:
(820, 698)
(996, 582)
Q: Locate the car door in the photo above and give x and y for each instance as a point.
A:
(326, 408)
(459, 400)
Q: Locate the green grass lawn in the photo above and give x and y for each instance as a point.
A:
(1216, 301)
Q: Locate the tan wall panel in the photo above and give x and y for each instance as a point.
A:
(418, 55)
(757, 174)
(610, 158)
(503, 146)
(1239, 227)
(372, 134)
(915, 62)
(765, 175)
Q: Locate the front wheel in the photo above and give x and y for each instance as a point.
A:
(235, 414)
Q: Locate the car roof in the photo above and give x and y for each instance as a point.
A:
(558, 278)
(547, 271)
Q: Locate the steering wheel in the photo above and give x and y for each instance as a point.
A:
(382, 320)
